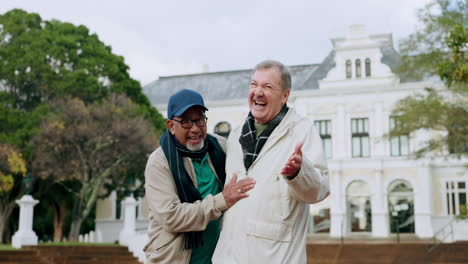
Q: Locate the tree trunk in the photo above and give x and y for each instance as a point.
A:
(5, 213)
(75, 229)
(60, 213)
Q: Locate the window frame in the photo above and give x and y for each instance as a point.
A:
(358, 68)
(394, 122)
(361, 136)
(325, 125)
(349, 70)
(368, 67)
(451, 193)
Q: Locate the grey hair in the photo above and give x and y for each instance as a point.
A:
(285, 74)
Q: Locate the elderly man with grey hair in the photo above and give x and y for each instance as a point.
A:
(271, 226)
(184, 184)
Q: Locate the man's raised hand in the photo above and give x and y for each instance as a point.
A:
(294, 163)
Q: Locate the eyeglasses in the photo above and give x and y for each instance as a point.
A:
(189, 123)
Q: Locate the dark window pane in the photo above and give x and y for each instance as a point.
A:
(462, 198)
(223, 129)
(358, 68)
(448, 204)
(453, 203)
(348, 69)
(368, 67)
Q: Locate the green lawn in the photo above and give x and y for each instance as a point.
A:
(6, 247)
(9, 247)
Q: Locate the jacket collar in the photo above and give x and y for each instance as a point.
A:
(280, 131)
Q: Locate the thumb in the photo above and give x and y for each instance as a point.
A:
(298, 149)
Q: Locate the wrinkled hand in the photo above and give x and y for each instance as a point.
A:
(236, 190)
(294, 163)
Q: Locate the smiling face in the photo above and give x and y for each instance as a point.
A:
(266, 95)
(192, 138)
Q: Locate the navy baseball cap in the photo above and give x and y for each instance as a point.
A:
(182, 101)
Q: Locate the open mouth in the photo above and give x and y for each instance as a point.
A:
(259, 103)
(195, 139)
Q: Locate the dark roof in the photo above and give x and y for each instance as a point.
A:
(234, 84)
(390, 56)
(311, 82)
(215, 85)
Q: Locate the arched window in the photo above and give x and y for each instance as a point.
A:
(348, 69)
(223, 129)
(359, 207)
(368, 70)
(358, 68)
(401, 207)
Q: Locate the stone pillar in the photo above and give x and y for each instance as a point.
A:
(301, 107)
(339, 129)
(377, 141)
(337, 212)
(380, 225)
(423, 202)
(25, 235)
(128, 230)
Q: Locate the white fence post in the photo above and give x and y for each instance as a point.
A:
(129, 220)
(25, 235)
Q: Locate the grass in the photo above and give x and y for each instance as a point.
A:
(76, 244)
(7, 247)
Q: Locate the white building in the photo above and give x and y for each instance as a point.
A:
(375, 185)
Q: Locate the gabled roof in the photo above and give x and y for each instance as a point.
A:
(215, 86)
(231, 85)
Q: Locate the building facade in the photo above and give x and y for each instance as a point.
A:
(377, 188)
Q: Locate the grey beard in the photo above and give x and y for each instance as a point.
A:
(196, 147)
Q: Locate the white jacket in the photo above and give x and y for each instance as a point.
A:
(270, 226)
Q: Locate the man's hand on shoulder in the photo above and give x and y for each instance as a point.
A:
(236, 190)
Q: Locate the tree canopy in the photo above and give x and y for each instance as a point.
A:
(12, 170)
(47, 64)
(92, 144)
(42, 60)
(423, 51)
(438, 49)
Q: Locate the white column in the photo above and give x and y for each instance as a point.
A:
(25, 235)
(423, 202)
(301, 107)
(129, 205)
(337, 212)
(339, 127)
(377, 138)
(140, 209)
(113, 198)
(380, 223)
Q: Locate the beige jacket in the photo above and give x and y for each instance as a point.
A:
(168, 217)
(270, 226)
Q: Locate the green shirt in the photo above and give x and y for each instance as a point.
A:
(207, 184)
(259, 128)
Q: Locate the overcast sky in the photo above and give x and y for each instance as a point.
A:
(161, 38)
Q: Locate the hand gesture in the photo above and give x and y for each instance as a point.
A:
(235, 191)
(294, 163)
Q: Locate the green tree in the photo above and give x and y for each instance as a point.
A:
(438, 49)
(41, 61)
(91, 145)
(424, 50)
(12, 169)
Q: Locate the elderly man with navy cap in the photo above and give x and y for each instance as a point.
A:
(185, 177)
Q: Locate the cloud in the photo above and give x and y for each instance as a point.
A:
(159, 38)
